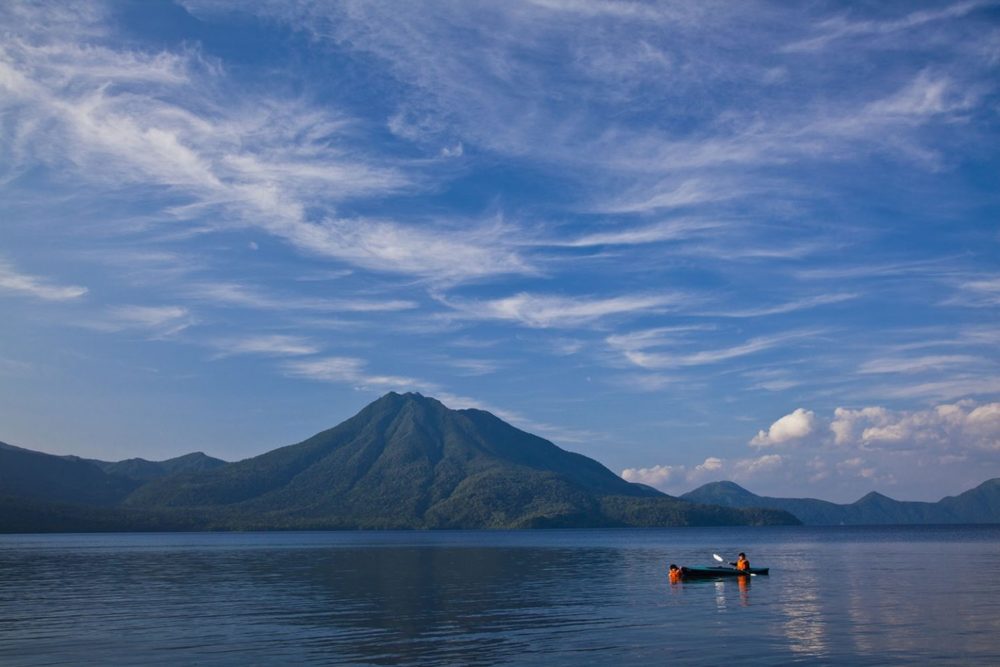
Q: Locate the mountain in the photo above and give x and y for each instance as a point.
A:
(404, 461)
(407, 461)
(34, 475)
(144, 471)
(978, 505)
(44, 492)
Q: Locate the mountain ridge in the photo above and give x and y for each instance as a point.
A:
(403, 461)
(980, 504)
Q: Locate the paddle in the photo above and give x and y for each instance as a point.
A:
(723, 560)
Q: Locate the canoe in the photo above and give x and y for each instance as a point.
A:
(715, 571)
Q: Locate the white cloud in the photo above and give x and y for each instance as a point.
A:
(838, 28)
(681, 478)
(437, 252)
(544, 311)
(671, 230)
(661, 360)
(711, 464)
(40, 288)
(919, 364)
(983, 292)
(955, 387)
(455, 150)
(687, 193)
(656, 476)
(788, 307)
(269, 345)
(845, 422)
(474, 367)
(158, 321)
(348, 370)
(246, 296)
(951, 427)
(792, 427)
(747, 468)
(257, 162)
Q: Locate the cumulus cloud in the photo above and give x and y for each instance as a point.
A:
(656, 476)
(711, 464)
(680, 478)
(748, 468)
(952, 426)
(790, 428)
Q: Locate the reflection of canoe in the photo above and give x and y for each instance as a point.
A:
(713, 572)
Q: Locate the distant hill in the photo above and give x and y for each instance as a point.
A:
(404, 461)
(144, 471)
(57, 479)
(978, 505)
(28, 475)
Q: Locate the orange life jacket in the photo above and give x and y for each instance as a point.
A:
(742, 564)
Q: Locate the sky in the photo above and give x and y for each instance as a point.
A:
(754, 241)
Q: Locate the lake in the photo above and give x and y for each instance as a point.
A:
(858, 596)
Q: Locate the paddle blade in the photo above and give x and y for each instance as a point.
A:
(719, 558)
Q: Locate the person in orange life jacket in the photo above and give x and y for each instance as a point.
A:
(675, 574)
(741, 562)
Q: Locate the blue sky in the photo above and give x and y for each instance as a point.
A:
(695, 241)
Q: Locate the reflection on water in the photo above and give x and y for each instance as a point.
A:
(834, 596)
(720, 595)
(805, 621)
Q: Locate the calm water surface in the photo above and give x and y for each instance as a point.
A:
(874, 596)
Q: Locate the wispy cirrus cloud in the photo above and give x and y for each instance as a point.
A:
(450, 86)
(348, 370)
(275, 345)
(129, 118)
(546, 310)
(13, 281)
(788, 306)
(670, 230)
(841, 27)
(155, 321)
(981, 292)
(663, 360)
(248, 296)
(920, 364)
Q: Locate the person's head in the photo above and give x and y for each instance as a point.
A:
(742, 555)
(673, 568)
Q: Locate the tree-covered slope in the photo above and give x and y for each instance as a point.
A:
(407, 461)
(144, 471)
(58, 479)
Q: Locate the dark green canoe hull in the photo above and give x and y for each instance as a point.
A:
(717, 572)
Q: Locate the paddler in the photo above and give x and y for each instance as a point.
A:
(675, 574)
(741, 563)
